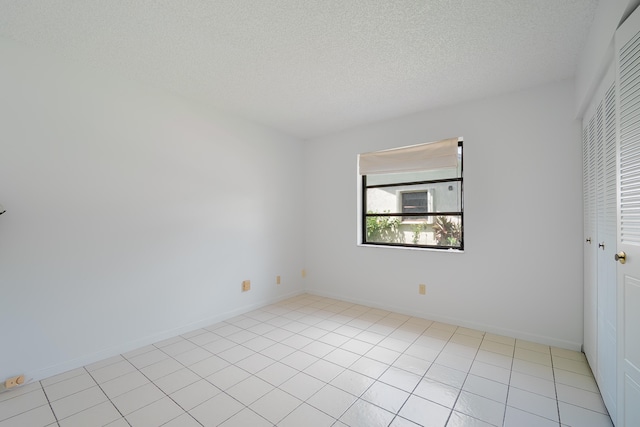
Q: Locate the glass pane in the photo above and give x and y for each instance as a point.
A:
(384, 229)
(423, 198)
(421, 231)
(447, 230)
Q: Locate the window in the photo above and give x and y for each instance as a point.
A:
(412, 196)
(415, 202)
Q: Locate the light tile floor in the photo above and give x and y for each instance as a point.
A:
(313, 361)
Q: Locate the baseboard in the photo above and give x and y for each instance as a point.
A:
(554, 342)
(132, 345)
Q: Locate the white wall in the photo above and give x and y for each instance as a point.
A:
(598, 50)
(521, 273)
(132, 215)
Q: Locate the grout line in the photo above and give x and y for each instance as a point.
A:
(555, 388)
(506, 399)
(55, 416)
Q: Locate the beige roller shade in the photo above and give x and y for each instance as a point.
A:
(434, 155)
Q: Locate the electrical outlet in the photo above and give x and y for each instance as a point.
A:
(278, 280)
(14, 382)
(246, 285)
(422, 289)
(304, 273)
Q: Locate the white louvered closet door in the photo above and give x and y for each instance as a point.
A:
(607, 238)
(627, 44)
(590, 243)
(600, 197)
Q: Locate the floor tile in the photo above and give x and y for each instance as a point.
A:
(480, 407)
(184, 420)
(96, 416)
(398, 421)
(412, 364)
(249, 390)
(342, 357)
(255, 363)
(70, 386)
(365, 414)
(494, 359)
(194, 394)
(277, 351)
(302, 386)
(533, 384)
(532, 356)
(299, 360)
(162, 368)
(518, 418)
(308, 416)
(277, 373)
(123, 384)
(36, 417)
(580, 397)
(275, 405)
(209, 366)
(332, 401)
(500, 338)
(235, 354)
(245, 418)
(78, 402)
(458, 419)
(437, 392)
(216, 410)
(383, 355)
(75, 372)
(585, 382)
(533, 403)
(576, 366)
(155, 414)
(137, 398)
(575, 416)
(542, 348)
(175, 348)
(454, 361)
(496, 347)
(385, 396)
(227, 377)
(147, 358)
(22, 403)
(486, 388)
(352, 382)
(176, 380)
(193, 356)
(20, 390)
(446, 375)
(399, 378)
(568, 354)
(424, 412)
(369, 367)
(533, 369)
(323, 370)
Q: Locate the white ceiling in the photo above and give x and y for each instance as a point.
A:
(313, 67)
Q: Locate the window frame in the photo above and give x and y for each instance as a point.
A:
(430, 215)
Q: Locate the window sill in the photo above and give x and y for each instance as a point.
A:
(448, 251)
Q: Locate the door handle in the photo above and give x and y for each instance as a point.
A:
(588, 240)
(621, 257)
(601, 245)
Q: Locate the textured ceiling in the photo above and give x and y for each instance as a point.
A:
(313, 67)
